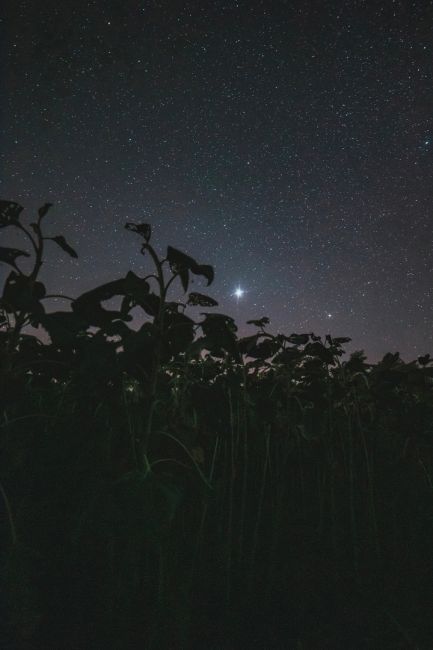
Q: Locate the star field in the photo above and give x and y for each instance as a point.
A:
(288, 144)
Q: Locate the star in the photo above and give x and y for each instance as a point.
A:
(239, 170)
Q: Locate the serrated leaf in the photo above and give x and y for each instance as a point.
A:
(61, 241)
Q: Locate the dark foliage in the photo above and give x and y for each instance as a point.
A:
(166, 484)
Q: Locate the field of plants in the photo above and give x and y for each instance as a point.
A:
(177, 487)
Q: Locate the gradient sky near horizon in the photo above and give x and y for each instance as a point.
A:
(288, 143)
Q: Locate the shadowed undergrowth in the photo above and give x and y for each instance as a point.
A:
(176, 486)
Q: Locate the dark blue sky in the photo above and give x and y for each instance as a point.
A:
(289, 144)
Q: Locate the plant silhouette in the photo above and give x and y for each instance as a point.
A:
(174, 485)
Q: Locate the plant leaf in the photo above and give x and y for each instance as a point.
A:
(23, 295)
(61, 241)
(200, 299)
(182, 264)
(206, 270)
(143, 229)
(298, 339)
(248, 343)
(63, 327)
(9, 255)
(184, 278)
(9, 213)
(44, 209)
(264, 349)
(259, 323)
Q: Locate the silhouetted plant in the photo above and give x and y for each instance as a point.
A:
(159, 477)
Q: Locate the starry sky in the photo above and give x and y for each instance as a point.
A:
(287, 143)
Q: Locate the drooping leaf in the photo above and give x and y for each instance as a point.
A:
(206, 270)
(199, 299)
(44, 209)
(137, 292)
(9, 255)
(9, 213)
(142, 229)
(182, 264)
(135, 285)
(176, 258)
(61, 241)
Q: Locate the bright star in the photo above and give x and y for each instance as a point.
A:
(239, 293)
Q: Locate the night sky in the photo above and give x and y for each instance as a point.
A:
(288, 144)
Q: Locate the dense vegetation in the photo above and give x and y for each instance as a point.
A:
(176, 486)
